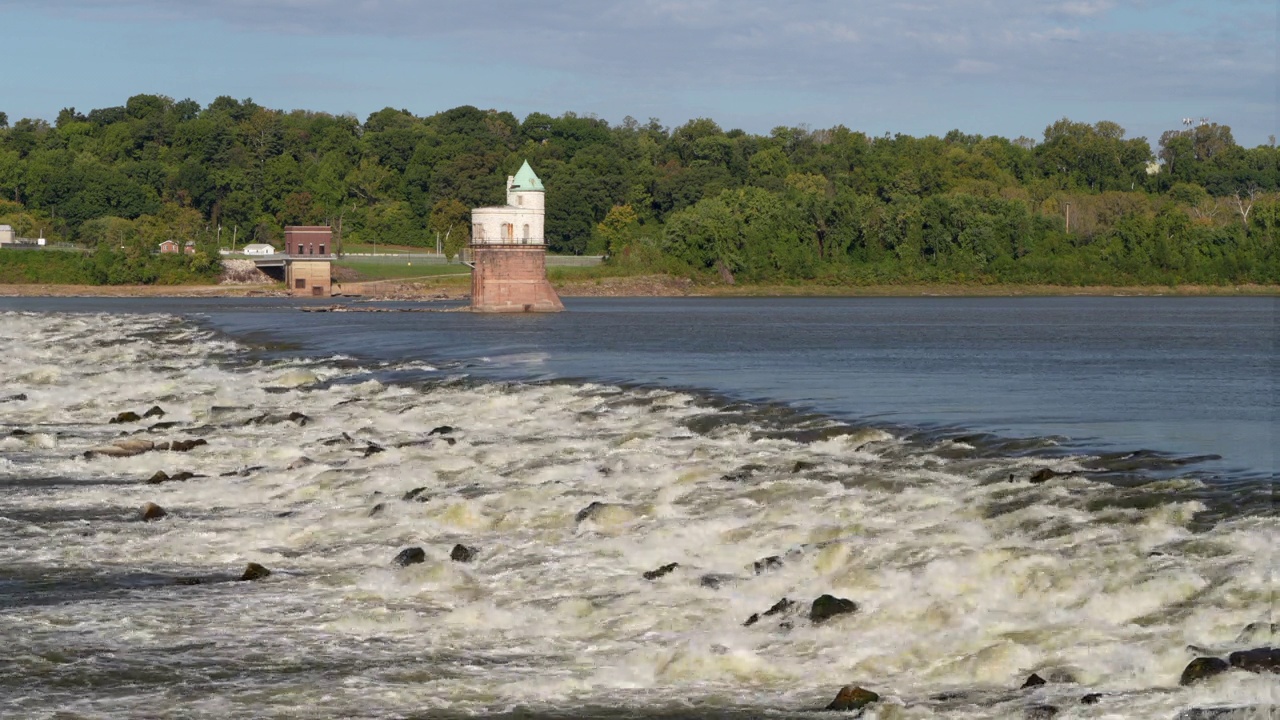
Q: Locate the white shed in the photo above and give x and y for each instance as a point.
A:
(7, 236)
(259, 249)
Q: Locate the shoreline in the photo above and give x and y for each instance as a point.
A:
(645, 286)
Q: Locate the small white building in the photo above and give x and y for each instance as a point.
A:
(520, 221)
(7, 235)
(259, 249)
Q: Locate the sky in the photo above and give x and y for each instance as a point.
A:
(917, 67)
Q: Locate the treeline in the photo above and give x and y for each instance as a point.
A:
(1083, 204)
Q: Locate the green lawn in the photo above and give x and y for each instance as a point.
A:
(359, 247)
(397, 271)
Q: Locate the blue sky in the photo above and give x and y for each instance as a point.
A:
(993, 67)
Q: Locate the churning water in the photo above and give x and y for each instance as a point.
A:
(878, 450)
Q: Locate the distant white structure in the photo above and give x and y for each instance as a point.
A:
(520, 221)
(259, 249)
(7, 235)
(1153, 167)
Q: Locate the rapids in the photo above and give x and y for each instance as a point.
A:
(968, 576)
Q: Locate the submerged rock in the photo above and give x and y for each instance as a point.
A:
(462, 553)
(410, 556)
(254, 571)
(1203, 668)
(155, 411)
(372, 449)
(416, 495)
(829, 606)
(14, 398)
(1257, 660)
(852, 697)
(1240, 712)
(152, 511)
(715, 580)
(744, 473)
(1045, 475)
(1091, 699)
(442, 430)
(121, 448)
(659, 572)
(300, 463)
(125, 417)
(1033, 681)
(376, 510)
(1256, 631)
(764, 565)
(1040, 712)
(270, 419)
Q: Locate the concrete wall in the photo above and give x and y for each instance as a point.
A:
(512, 279)
(308, 278)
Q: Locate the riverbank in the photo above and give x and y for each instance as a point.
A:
(453, 288)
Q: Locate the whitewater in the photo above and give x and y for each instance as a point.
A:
(969, 571)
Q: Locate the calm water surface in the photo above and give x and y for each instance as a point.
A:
(1188, 376)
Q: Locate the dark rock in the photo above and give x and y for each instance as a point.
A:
(162, 477)
(590, 511)
(829, 606)
(155, 411)
(189, 581)
(373, 449)
(852, 697)
(376, 510)
(410, 556)
(254, 571)
(285, 514)
(1040, 712)
(781, 606)
(300, 463)
(451, 441)
(19, 432)
(1091, 699)
(462, 553)
(125, 417)
(802, 465)
(1033, 681)
(442, 430)
(1044, 475)
(342, 439)
(152, 511)
(187, 445)
(1257, 660)
(764, 565)
(14, 398)
(659, 572)
(163, 425)
(746, 472)
(1203, 668)
(298, 417)
(416, 495)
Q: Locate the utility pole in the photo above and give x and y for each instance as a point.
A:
(1068, 218)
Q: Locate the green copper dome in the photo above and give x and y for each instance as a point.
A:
(526, 180)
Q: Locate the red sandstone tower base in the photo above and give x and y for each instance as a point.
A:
(511, 278)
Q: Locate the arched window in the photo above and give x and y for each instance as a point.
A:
(526, 232)
(479, 232)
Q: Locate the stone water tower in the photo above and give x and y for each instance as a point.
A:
(509, 252)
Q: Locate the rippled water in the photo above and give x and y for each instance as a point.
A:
(968, 576)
